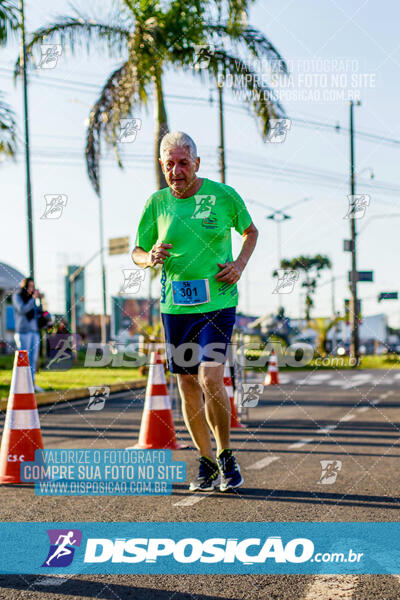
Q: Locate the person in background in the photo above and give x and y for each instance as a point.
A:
(27, 310)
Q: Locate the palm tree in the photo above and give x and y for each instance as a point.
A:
(153, 35)
(8, 126)
(311, 267)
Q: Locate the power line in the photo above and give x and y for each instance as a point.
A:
(88, 87)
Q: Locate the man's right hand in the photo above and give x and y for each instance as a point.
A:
(158, 254)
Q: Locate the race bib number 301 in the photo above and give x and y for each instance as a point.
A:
(188, 293)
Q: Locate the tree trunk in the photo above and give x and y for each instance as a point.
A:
(161, 128)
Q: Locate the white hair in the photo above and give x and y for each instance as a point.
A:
(178, 139)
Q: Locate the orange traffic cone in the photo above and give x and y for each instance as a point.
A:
(272, 376)
(21, 433)
(157, 431)
(235, 423)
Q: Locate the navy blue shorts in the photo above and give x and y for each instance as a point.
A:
(195, 338)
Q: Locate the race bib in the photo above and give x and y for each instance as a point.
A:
(188, 293)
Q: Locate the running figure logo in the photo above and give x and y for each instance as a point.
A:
(128, 130)
(133, 279)
(286, 281)
(278, 130)
(50, 55)
(55, 204)
(98, 396)
(202, 56)
(62, 546)
(357, 206)
(61, 346)
(330, 471)
(251, 394)
(204, 204)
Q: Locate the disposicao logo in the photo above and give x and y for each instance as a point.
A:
(190, 550)
(62, 546)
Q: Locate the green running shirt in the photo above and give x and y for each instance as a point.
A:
(199, 229)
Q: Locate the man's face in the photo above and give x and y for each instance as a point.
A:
(178, 167)
(30, 287)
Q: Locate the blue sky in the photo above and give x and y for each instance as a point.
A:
(359, 36)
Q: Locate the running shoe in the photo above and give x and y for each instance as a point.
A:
(208, 477)
(231, 477)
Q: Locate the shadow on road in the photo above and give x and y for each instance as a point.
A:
(306, 497)
(77, 588)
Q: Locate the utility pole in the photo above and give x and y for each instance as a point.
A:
(103, 274)
(22, 62)
(333, 295)
(221, 147)
(72, 278)
(150, 300)
(354, 342)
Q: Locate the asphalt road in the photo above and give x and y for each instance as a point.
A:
(296, 425)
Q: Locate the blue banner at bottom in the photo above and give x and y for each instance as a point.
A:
(213, 548)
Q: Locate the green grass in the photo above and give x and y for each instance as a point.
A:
(386, 361)
(74, 378)
(80, 376)
(6, 361)
(381, 362)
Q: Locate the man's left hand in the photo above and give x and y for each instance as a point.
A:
(230, 273)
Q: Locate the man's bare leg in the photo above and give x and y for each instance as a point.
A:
(217, 406)
(194, 413)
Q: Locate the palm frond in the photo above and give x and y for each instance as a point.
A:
(122, 90)
(79, 33)
(255, 92)
(8, 19)
(259, 96)
(8, 130)
(254, 40)
(233, 10)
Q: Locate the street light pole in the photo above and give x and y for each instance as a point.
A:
(221, 148)
(354, 343)
(22, 62)
(279, 216)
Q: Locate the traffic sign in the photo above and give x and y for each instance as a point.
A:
(347, 245)
(363, 276)
(388, 296)
(118, 245)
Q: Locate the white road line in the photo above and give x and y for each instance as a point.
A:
(334, 587)
(194, 499)
(347, 417)
(260, 464)
(315, 379)
(327, 429)
(301, 443)
(362, 408)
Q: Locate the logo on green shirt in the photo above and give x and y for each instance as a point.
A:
(204, 204)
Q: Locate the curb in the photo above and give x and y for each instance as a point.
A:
(58, 396)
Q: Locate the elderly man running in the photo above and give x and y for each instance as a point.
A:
(186, 228)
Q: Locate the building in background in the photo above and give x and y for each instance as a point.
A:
(90, 328)
(79, 293)
(10, 279)
(127, 313)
